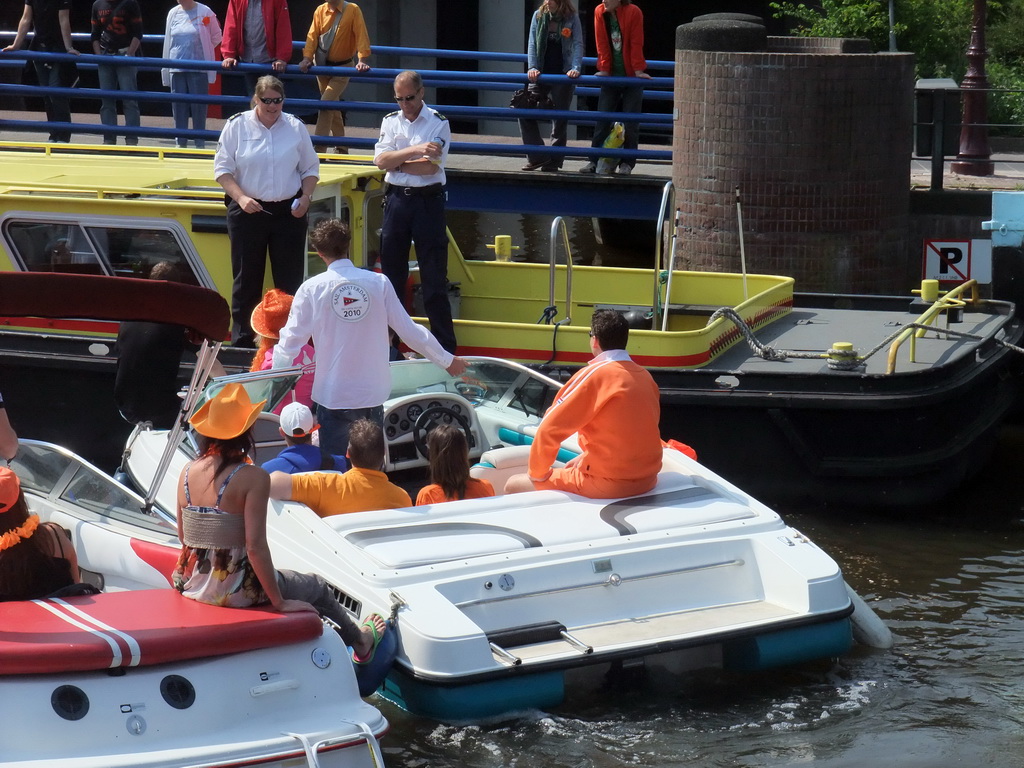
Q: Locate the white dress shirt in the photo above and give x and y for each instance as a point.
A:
(398, 133)
(347, 310)
(268, 163)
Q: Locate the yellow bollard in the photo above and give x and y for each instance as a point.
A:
(503, 247)
(842, 356)
(930, 291)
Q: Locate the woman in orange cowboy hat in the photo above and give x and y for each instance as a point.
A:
(268, 318)
(222, 524)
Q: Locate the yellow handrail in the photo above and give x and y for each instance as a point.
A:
(947, 301)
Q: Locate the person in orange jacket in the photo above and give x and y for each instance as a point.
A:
(619, 35)
(615, 405)
(251, 37)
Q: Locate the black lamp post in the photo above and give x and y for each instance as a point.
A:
(974, 156)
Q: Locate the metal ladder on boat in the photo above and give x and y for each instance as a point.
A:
(534, 633)
(550, 312)
(668, 203)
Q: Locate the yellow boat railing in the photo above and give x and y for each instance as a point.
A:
(930, 292)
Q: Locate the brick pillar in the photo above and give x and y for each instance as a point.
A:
(817, 136)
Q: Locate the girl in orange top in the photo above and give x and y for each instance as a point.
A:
(449, 469)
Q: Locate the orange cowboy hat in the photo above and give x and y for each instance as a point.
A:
(228, 414)
(270, 315)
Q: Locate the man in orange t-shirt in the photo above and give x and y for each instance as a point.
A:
(362, 488)
(614, 404)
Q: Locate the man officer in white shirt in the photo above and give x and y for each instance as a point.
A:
(413, 148)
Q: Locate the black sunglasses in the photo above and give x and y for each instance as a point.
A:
(410, 97)
(267, 100)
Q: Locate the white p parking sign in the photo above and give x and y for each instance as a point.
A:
(953, 261)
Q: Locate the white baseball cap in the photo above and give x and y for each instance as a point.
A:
(297, 420)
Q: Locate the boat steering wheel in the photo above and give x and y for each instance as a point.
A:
(434, 417)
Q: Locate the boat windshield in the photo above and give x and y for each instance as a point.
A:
(270, 385)
(54, 472)
(486, 380)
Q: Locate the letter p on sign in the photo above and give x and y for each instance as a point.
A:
(947, 261)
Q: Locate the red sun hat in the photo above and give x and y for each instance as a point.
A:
(270, 315)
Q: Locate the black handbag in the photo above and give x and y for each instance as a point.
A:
(531, 98)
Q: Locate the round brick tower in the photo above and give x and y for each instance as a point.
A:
(816, 134)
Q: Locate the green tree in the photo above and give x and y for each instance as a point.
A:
(938, 33)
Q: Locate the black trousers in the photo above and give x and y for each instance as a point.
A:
(58, 108)
(419, 218)
(273, 231)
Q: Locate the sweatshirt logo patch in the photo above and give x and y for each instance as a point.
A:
(350, 302)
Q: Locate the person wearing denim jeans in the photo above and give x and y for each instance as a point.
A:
(191, 33)
(50, 20)
(347, 311)
(555, 47)
(619, 34)
(117, 31)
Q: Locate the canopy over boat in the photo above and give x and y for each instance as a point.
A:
(97, 297)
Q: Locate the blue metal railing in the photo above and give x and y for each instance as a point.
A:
(656, 88)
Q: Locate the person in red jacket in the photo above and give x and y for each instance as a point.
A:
(257, 32)
(614, 405)
(619, 34)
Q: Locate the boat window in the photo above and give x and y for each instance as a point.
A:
(53, 247)
(73, 247)
(492, 379)
(533, 397)
(319, 210)
(271, 385)
(373, 222)
(412, 377)
(39, 467)
(99, 494)
(134, 252)
(485, 380)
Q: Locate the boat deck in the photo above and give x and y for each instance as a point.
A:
(462, 531)
(815, 329)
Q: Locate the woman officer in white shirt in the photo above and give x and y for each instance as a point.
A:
(266, 164)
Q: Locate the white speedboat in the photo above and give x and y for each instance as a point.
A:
(139, 675)
(501, 603)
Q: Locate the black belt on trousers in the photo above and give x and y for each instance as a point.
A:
(276, 207)
(431, 190)
(344, 63)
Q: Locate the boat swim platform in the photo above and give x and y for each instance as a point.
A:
(482, 183)
(625, 634)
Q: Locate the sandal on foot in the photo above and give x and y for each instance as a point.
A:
(376, 639)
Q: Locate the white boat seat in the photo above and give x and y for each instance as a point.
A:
(499, 464)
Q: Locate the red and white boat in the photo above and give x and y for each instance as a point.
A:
(137, 676)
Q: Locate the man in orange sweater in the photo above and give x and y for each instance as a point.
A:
(614, 405)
